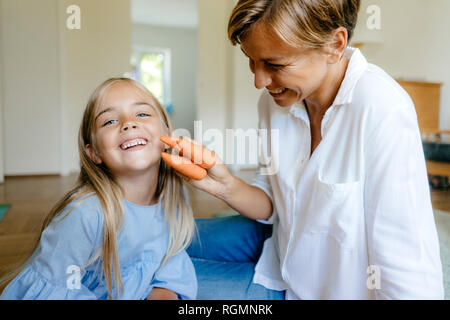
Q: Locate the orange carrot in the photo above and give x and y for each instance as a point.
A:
(197, 153)
(184, 166)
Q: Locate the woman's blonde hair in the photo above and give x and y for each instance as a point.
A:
(97, 180)
(300, 23)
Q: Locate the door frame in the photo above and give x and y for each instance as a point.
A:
(2, 176)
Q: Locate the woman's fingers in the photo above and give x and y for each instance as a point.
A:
(198, 154)
(169, 141)
(184, 166)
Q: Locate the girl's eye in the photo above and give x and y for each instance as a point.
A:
(108, 123)
(141, 115)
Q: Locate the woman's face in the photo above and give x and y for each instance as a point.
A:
(290, 74)
(127, 131)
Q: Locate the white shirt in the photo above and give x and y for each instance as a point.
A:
(354, 220)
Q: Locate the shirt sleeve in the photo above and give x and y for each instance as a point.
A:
(261, 179)
(403, 246)
(57, 267)
(178, 275)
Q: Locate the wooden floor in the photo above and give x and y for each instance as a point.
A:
(33, 197)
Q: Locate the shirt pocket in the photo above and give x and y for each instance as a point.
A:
(336, 209)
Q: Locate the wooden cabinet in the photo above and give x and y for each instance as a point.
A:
(426, 97)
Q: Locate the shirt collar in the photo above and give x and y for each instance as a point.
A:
(356, 66)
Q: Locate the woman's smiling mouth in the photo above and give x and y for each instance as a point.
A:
(277, 92)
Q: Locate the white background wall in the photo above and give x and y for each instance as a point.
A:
(182, 43)
(48, 74)
(2, 178)
(101, 49)
(214, 73)
(415, 43)
(30, 86)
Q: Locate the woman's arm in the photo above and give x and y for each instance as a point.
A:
(401, 232)
(246, 199)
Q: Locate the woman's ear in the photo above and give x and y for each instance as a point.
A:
(337, 45)
(92, 155)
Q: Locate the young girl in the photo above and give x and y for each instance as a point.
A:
(122, 231)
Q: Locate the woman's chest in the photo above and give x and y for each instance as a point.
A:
(322, 191)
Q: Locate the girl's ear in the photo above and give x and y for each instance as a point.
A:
(92, 155)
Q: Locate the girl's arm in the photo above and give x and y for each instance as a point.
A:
(66, 246)
(162, 294)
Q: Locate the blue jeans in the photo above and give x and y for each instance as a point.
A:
(224, 254)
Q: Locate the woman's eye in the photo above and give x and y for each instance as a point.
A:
(274, 66)
(108, 123)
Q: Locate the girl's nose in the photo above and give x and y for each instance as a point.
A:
(129, 125)
(262, 78)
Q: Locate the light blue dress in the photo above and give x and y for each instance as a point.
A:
(57, 270)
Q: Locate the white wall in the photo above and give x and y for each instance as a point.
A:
(415, 43)
(245, 95)
(101, 49)
(48, 74)
(2, 178)
(214, 93)
(30, 86)
(182, 43)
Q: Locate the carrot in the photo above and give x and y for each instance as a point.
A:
(184, 166)
(197, 153)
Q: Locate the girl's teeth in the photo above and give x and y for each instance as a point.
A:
(134, 143)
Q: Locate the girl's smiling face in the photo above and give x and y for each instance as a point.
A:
(127, 131)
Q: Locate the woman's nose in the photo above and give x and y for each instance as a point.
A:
(262, 78)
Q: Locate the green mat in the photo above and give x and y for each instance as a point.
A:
(3, 209)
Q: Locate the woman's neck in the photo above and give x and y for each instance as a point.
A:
(140, 188)
(322, 99)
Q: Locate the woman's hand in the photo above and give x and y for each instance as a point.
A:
(205, 170)
(199, 166)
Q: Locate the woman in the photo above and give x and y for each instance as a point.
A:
(349, 200)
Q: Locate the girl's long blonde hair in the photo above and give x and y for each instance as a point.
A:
(97, 180)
